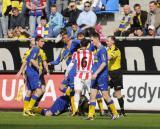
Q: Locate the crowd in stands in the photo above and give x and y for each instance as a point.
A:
(47, 18)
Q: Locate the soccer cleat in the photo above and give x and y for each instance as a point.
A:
(114, 117)
(88, 118)
(24, 113)
(102, 113)
(109, 114)
(123, 114)
(29, 113)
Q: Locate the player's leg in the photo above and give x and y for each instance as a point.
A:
(43, 85)
(116, 78)
(36, 87)
(120, 101)
(100, 103)
(103, 86)
(27, 97)
(77, 88)
(92, 104)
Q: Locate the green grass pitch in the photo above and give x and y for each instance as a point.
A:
(15, 120)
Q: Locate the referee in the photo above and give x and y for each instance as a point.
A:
(114, 67)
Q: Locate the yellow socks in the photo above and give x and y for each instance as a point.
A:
(92, 109)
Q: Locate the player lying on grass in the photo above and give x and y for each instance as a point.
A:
(62, 105)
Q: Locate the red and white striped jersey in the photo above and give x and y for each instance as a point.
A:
(84, 60)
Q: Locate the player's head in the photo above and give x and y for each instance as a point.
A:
(110, 41)
(39, 41)
(84, 43)
(80, 36)
(65, 38)
(83, 105)
(95, 39)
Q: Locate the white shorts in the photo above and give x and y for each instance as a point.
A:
(83, 85)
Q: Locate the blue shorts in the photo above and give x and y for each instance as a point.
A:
(70, 80)
(33, 81)
(100, 83)
(60, 105)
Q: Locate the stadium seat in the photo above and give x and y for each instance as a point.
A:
(111, 6)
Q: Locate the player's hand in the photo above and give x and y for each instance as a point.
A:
(18, 74)
(49, 64)
(40, 71)
(94, 76)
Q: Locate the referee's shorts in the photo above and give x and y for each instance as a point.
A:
(116, 79)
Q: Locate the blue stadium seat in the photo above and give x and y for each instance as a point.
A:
(111, 6)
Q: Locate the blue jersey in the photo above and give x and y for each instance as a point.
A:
(60, 105)
(99, 58)
(66, 53)
(34, 54)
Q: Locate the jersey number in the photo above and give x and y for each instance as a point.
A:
(84, 62)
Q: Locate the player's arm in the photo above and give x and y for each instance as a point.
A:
(113, 55)
(103, 58)
(58, 60)
(46, 66)
(44, 59)
(35, 63)
(21, 69)
(33, 55)
(70, 66)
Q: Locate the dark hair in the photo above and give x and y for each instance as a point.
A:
(43, 18)
(53, 6)
(72, 1)
(95, 35)
(38, 38)
(74, 23)
(137, 5)
(85, 42)
(87, 2)
(15, 9)
(153, 2)
(113, 38)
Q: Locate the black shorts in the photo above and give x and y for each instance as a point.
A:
(116, 79)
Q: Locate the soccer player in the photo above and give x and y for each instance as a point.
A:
(99, 76)
(33, 72)
(114, 66)
(83, 59)
(61, 105)
(66, 54)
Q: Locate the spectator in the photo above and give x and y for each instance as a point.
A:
(10, 33)
(1, 32)
(61, 5)
(73, 31)
(17, 19)
(151, 31)
(80, 36)
(20, 33)
(125, 23)
(87, 19)
(154, 16)
(36, 9)
(6, 8)
(138, 32)
(140, 17)
(72, 13)
(43, 28)
(98, 29)
(49, 3)
(18, 4)
(158, 3)
(55, 22)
